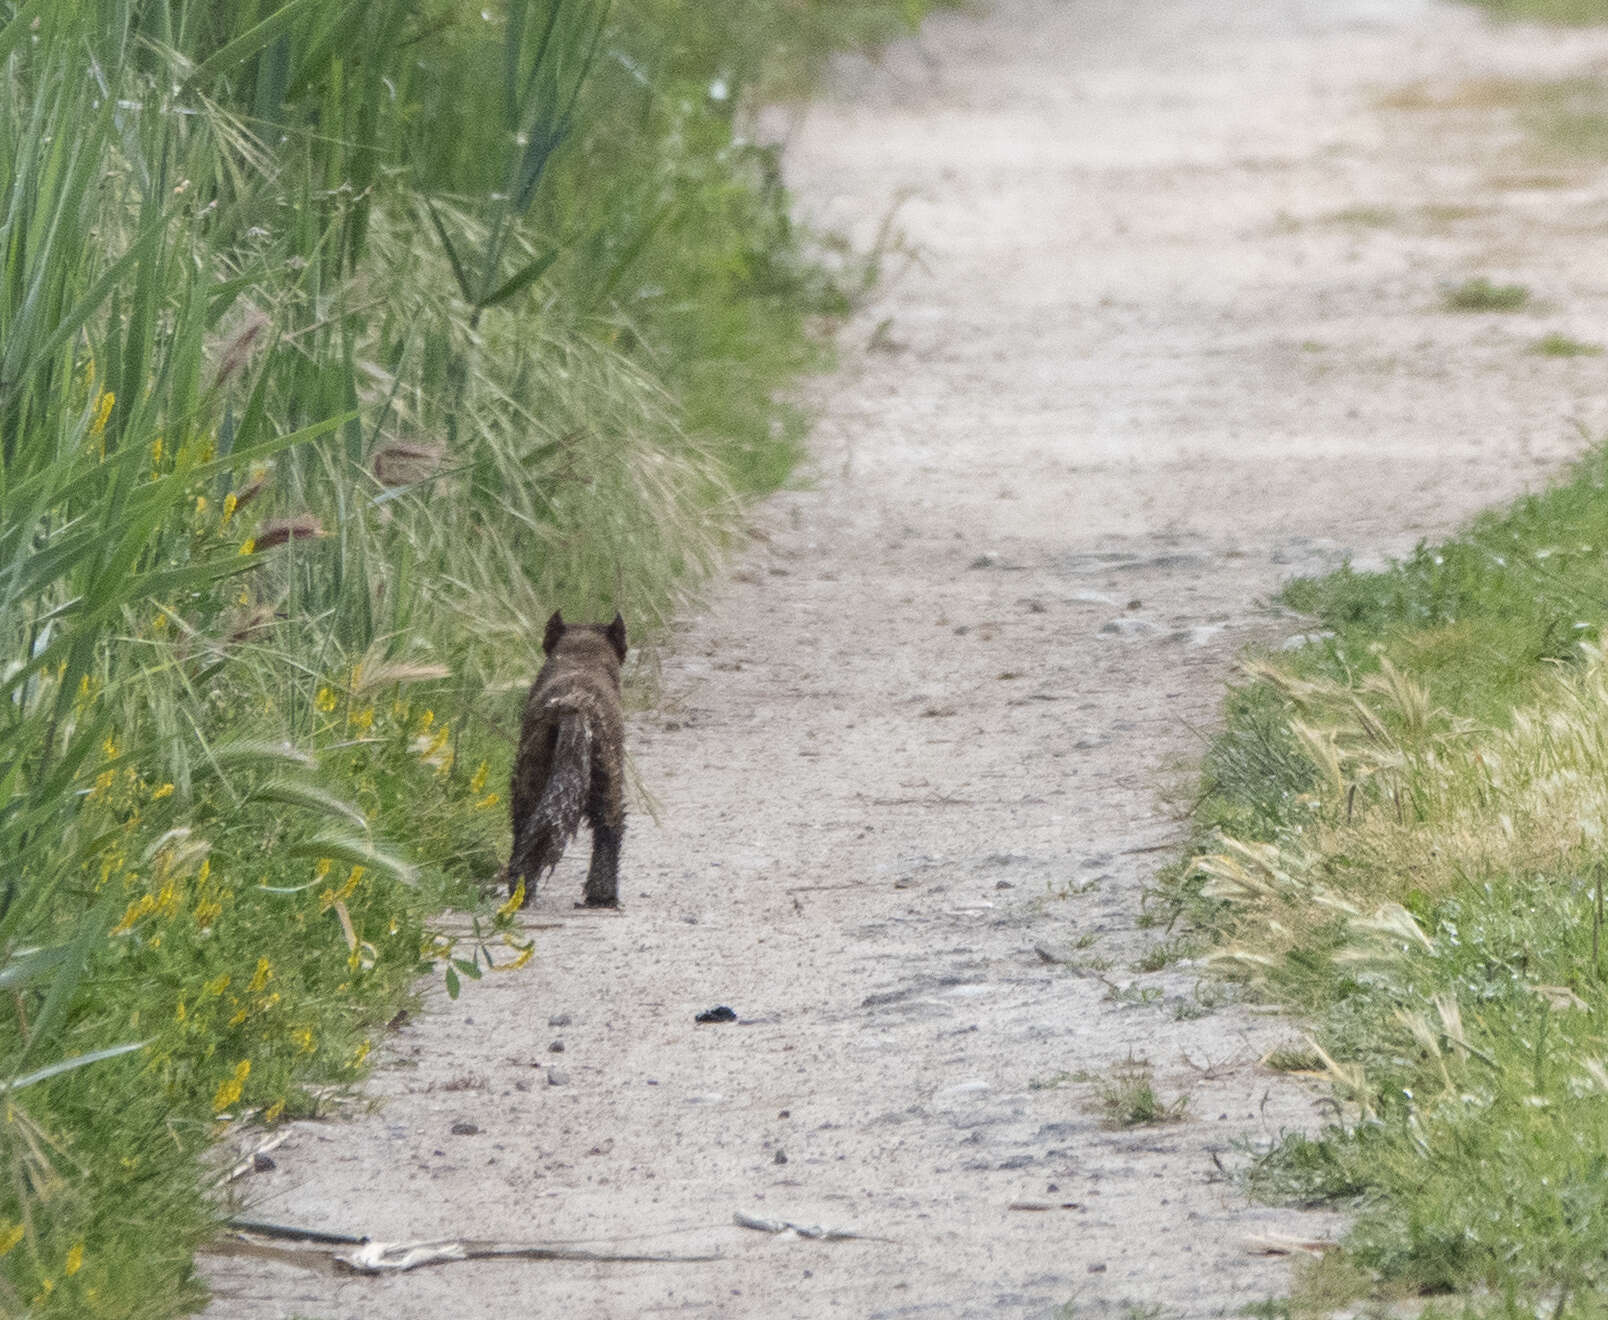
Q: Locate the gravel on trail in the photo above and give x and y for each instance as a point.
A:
(1160, 325)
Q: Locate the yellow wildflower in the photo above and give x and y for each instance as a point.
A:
(200, 504)
(516, 900)
(304, 1040)
(490, 800)
(363, 720)
(140, 907)
(103, 412)
(218, 985)
(10, 1237)
(325, 700)
(274, 1110)
(166, 902)
(112, 861)
(322, 869)
(229, 502)
(238, 1017)
(478, 783)
(247, 546)
(156, 450)
(75, 1259)
(428, 748)
(361, 1053)
(181, 1013)
(166, 790)
(229, 1091)
(260, 977)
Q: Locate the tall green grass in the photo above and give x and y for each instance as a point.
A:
(1404, 843)
(339, 343)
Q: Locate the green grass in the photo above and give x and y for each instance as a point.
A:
(1479, 294)
(298, 301)
(1565, 120)
(1576, 13)
(1561, 345)
(1402, 840)
(1126, 1097)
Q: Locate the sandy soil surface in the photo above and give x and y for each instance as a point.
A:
(1173, 336)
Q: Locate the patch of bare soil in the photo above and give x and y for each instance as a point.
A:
(1173, 335)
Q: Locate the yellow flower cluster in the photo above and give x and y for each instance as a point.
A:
(516, 900)
(431, 748)
(477, 785)
(135, 912)
(330, 897)
(230, 1090)
(104, 402)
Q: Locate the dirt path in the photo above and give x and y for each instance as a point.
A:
(1173, 337)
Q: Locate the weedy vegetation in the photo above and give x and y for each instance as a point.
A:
(1577, 13)
(1127, 1097)
(299, 300)
(1480, 294)
(1403, 840)
(1558, 344)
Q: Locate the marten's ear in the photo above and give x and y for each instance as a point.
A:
(555, 629)
(615, 632)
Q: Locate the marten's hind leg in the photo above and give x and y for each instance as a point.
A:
(605, 813)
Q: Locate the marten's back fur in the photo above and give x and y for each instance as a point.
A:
(571, 760)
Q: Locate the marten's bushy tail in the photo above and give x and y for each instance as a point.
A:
(557, 813)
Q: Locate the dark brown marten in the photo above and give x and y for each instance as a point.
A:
(571, 759)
